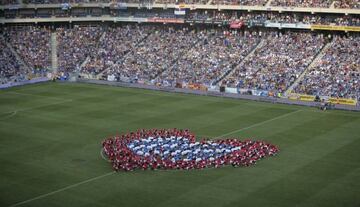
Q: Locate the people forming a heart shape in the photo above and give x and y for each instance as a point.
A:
(178, 149)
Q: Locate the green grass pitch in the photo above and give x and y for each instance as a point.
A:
(50, 139)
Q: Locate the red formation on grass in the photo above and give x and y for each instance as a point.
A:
(178, 149)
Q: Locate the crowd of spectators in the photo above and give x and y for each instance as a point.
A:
(352, 4)
(146, 51)
(246, 17)
(154, 13)
(10, 67)
(172, 55)
(7, 2)
(277, 63)
(84, 1)
(213, 15)
(198, 15)
(177, 149)
(181, 1)
(348, 4)
(32, 44)
(215, 53)
(76, 44)
(344, 20)
(288, 3)
(158, 52)
(241, 2)
(114, 45)
(302, 3)
(63, 1)
(338, 73)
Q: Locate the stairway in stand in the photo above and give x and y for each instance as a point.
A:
(268, 3)
(17, 56)
(54, 57)
(313, 64)
(231, 71)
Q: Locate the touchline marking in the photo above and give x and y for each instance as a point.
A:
(260, 123)
(62, 189)
(45, 105)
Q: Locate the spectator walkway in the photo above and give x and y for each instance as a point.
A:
(18, 58)
(314, 63)
(229, 73)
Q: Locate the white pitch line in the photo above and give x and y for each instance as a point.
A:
(44, 105)
(35, 107)
(35, 95)
(258, 124)
(103, 157)
(9, 116)
(62, 189)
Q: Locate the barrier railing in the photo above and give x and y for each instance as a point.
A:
(213, 92)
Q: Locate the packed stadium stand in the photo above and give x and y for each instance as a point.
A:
(277, 46)
(76, 44)
(32, 44)
(110, 51)
(148, 59)
(11, 68)
(350, 4)
(241, 2)
(338, 74)
(302, 3)
(278, 63)
(214, 53)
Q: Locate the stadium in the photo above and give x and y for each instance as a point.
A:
(180, 103)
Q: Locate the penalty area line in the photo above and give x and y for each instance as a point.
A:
(62, 189)
(260, 123)
(11, 114)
